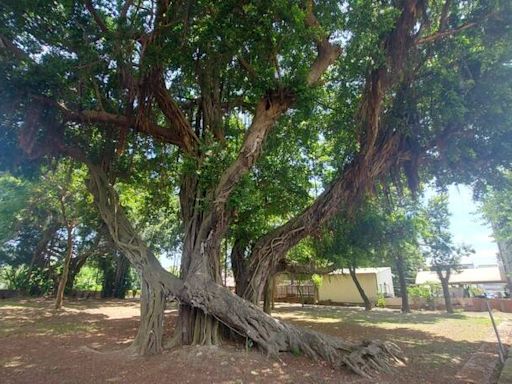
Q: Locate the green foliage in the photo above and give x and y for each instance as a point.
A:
(426, 291)
(438, 245)
(497, 209)
(88, 279)
(30, 282)
(317, 280)
(381, 301)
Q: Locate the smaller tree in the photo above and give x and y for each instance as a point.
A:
(496, 206)
(438, 244)
(402, 225)
(352, 243)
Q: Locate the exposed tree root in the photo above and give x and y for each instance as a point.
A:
(374, 356)
(273, 336)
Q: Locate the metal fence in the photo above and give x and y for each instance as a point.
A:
(294, 290)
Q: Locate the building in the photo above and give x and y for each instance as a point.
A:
(490, 279)
(338, 286)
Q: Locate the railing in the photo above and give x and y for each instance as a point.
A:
(288, 291)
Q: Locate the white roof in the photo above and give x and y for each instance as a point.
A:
(471, 275)
(360, 271)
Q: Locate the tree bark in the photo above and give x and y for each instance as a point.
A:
(399, 260)
(121, 275)
(67, 259)
(446, 290)
(239, 266)
(149, 339)
(268, 297)
(366, 301)
(156, 283)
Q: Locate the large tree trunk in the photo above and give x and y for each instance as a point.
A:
(366, 300)
(194, 326)
(65, 269)
(121, 277)
(199, 292)
(403, 283)
(149, 339)
(239, 266)
(156, 283)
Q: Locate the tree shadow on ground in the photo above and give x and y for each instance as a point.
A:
(376, 316)
(49, 347)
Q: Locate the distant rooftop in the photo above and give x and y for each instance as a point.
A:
(465, 276)
(360, 271)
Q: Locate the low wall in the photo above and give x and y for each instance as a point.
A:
(8, 293)
(473, 304)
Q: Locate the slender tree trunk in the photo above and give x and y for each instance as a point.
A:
(65, 270)
(403, 283)
(446, 290)
(366, 301)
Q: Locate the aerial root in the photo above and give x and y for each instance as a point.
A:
(373, 357)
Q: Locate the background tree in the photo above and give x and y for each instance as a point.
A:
(496, 207)
(354, 243)
(402, 227)
(438, 245)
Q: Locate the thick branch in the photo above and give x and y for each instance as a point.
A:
(268, 110)
(142, 125)
(175, 117)
(97, 18)
(8, 46)
(327, 52)
(445, 33)
(345, 192)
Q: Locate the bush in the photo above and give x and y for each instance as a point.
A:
(427, 291)
(381, 301)
(88, 279)
(33, 282)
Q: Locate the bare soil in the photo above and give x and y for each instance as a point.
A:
(84, 343)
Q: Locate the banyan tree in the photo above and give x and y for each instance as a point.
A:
(196, 92)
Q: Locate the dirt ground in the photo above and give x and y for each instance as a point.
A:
(84, 344)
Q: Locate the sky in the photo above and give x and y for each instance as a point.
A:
(468, 226)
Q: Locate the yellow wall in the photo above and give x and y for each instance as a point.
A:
(341, 288)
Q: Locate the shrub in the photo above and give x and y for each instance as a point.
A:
(381, 301)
